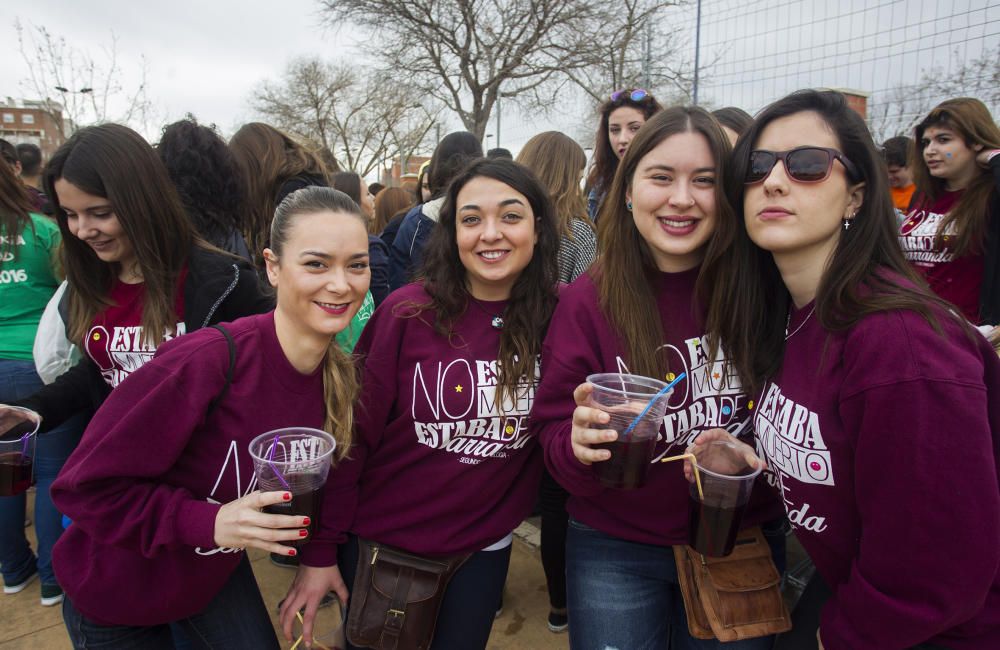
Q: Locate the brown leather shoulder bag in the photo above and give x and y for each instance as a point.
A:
(733, 597)
(397, 596)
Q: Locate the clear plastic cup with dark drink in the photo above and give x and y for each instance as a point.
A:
(296, 460)
(624, 398)
(18, 429)
(716, 512)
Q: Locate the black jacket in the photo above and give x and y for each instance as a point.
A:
(218, 289)
(989, 295)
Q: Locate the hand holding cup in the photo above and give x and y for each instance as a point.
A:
(583, 437)
(240, 524)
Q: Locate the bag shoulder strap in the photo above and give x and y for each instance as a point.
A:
(231, 344)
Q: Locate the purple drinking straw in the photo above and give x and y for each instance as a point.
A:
(270, 457)
(24, 444)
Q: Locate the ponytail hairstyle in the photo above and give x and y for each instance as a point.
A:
(533, 296)
(115, 163)
(970, 120)
(340, 381)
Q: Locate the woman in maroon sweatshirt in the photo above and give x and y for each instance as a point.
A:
(952, 234)
(640, 310)
(443, 462)
(878, 407)
(161, 490)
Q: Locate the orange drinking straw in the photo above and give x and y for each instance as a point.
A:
(694, 465)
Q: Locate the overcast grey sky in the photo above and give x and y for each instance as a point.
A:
(206, 56)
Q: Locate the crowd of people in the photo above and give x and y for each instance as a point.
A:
(823, 306)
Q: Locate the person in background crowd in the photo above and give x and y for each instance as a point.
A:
(641, 309)
(391, 205)
(951, 234)
(138, 273)
(896, 152)
(423, 184)
(500, 152)
(329, 160)
(208, 181)
(406, 255)
(273, 166)
(8, 153)
(354, 186)
(30, 157)
(481, 310)
(558, 162)
(160, 515)
(893, 394)
(29, 244)
(375, 188)
(734, 122)
(622, 115)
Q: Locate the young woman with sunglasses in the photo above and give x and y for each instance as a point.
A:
(952, 234)
(877, 407)
(160, 489)
(640, 310)
(622, 115)
(443, 462)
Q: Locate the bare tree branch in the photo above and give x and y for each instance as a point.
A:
(362, 118)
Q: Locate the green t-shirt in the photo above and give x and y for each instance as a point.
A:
(27, 282)
(348, 338)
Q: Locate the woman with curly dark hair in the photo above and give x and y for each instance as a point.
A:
(442, 462)
(208, 181)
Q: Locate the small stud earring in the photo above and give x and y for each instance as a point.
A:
(628, 205)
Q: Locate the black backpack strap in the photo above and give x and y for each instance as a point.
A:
(229, 371)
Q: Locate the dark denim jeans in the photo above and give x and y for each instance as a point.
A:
(19, 380)
(235, 619)
(625, 596)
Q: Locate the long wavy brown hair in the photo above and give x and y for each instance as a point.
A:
(268, 158)
(625, 268)
(970, 120)
(114, 162)
(558, 161)
(533, 296)
(605, 162)
(340, 380)
(15, 204)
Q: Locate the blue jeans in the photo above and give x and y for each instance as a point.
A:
(625, 596)
(19, 380)
(235, 619)
(470, 600)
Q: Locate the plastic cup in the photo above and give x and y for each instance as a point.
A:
(18, 430)
(726, 482)
(624, 397)
(296, 460)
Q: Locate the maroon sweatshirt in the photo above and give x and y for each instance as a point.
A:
(581, 342)
(884, 440)
(143, 486)
(436, 467)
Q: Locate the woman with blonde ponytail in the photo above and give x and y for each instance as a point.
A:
(161, 488)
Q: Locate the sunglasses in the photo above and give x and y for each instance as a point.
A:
(636, 95)
(803, 164)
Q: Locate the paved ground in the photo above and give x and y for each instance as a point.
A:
(26, 625)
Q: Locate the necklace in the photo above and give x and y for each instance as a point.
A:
(497, 320)
(788, 321)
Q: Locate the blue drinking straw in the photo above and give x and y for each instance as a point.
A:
(663, 391)
(270, 457)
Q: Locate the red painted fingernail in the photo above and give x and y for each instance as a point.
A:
(286, 496)
(291, 551)
(303, 533)
(305, 521)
